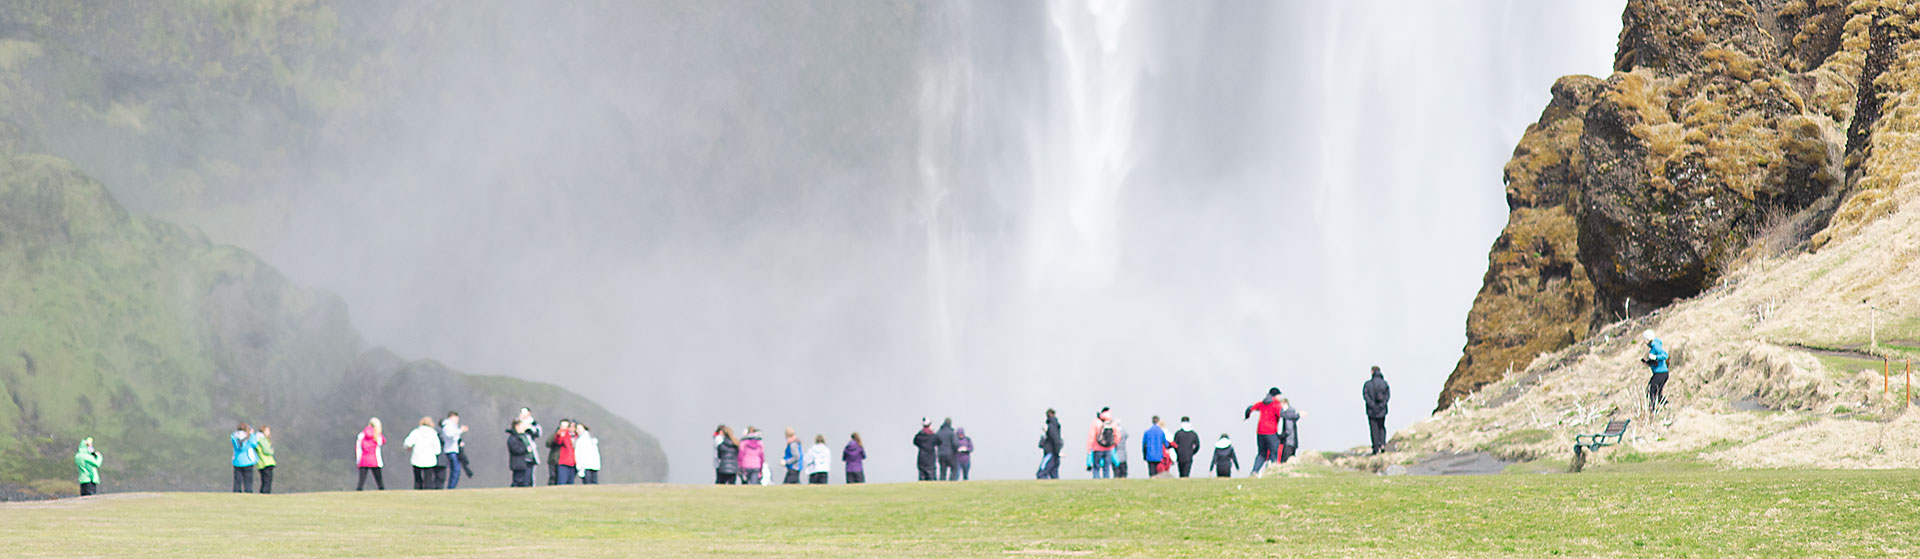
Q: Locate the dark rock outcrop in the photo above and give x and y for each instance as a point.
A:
(1726, 121)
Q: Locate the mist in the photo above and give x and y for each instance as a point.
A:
(848, 216)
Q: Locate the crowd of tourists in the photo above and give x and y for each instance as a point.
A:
(743, 460)
(436, 457)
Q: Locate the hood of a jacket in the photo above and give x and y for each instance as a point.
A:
(1185, 426)
(1223, 443)
(1377, 375)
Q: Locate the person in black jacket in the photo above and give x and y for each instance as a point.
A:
(1376, 393)
(726, 456)
(1186, 444)
(1224, 460)
(1289, 431)
(928, 445)
(946, 443)
(520, 459)
(1050, 445)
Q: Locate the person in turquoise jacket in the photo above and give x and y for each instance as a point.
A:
(245, 456)
(87, 460)
(1656, 360)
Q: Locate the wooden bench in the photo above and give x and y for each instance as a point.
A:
(1610, 436)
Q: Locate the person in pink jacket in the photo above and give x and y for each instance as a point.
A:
(1101, 439)
(753, 457)
(367, 455)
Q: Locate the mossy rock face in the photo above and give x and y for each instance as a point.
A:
(1535, 297)
(1726, 121)
(155, 342)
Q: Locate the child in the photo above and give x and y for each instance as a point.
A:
(818, 461)
(1224, 461)
(87, 460)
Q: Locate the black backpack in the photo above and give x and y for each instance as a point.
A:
(1106, 435)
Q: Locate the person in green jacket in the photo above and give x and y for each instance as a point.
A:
(264, 447)
(87, 460)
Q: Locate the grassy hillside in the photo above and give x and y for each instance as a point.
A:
(1711, 514)
(155, 342)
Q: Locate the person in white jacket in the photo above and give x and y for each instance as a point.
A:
(425, 443)
(586, 454)
(819, 461)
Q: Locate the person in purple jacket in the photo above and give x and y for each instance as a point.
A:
(963, 453)
(854, 456)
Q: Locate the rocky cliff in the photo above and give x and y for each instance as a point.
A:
(1747, 184)
(1730, 130)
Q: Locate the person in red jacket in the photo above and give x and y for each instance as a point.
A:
(1268, 431)
(563, 438)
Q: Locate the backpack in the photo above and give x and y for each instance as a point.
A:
(1106, 435)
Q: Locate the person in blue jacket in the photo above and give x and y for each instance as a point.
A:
(1656, 360)
(1153, 447)
(244, 458)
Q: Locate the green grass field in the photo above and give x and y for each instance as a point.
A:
(1689, 514)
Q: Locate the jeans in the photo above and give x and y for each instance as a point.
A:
(817, 478)
(750, 477)
(1269, 451)
(243, 479)
(856, 478)
(947, 470)
(567, 474)
(523, 478)
(453, 470)
(966, 471)
(1102, 464)
(266, 480)
(1049, 466)
(379, 483)
(792, 478)
(590, 477)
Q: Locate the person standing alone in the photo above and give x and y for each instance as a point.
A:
(1050, 444)
(855, 457)
(367, 455)
(1656, 360)
(1186, 444)
(1376, 393)
(87, 461)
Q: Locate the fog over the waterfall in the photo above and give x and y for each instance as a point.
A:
(848, 216)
